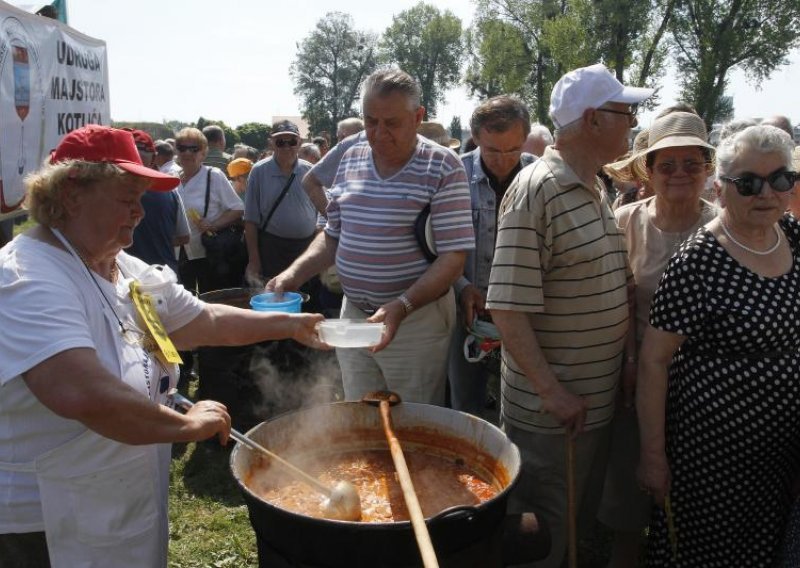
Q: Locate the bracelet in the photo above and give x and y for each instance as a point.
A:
(407, 305)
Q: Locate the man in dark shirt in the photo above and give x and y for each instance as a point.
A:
(164, 225)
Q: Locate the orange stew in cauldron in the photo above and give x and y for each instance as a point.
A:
(440, 483)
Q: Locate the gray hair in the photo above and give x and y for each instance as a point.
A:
(761, 139)
(383, 82)
(781, 122)
(542, 132)
(164, 149)
(309, 150)
(349, 126)
(733, 126)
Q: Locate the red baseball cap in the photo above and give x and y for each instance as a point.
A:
(143, 140)
(96, 143)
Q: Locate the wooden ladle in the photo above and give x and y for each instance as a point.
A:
(342, 502)
(385, 400)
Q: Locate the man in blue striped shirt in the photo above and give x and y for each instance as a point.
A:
(380, 188)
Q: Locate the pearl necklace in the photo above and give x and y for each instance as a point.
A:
(770, 250)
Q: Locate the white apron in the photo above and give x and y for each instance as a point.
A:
(104, 503)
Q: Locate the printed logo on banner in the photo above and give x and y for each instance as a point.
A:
(52, 81)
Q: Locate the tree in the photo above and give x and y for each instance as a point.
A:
(712, 37)
(255, 134)
(330, 64)
(154, 129)
(551, 37)
(175, 126)
(500, 61)
(529, 18)
(426, 43)
(455, 128)
(231, 136)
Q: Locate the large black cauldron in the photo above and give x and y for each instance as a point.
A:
(467, 537)
(236, 377)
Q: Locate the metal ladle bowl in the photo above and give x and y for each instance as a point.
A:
(341, 503)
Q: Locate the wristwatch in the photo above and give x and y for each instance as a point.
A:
(407, 305)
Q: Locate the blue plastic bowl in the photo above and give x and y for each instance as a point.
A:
(266, 302)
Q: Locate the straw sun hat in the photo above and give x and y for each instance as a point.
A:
(673, 130)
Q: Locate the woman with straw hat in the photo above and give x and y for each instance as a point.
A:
(674, 162)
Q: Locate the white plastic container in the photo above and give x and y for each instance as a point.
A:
(350, 333)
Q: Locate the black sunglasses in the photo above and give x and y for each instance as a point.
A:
(183, 148)
(751, 184)
(280, 143)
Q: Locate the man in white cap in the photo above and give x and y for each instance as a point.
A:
(558, 295)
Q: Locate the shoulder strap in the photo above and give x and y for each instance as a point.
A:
(208, 191)
(284, 191)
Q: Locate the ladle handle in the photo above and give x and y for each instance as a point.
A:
(409, 494)
(186, 404)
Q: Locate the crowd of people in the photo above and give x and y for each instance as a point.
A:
(643, 292)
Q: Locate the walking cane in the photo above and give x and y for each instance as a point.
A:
(572, 537)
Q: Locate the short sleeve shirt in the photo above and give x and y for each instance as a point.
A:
(561, 259)
(222, 198)
(295, 217)
(378, 257)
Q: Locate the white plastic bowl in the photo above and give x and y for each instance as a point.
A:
(350, 333)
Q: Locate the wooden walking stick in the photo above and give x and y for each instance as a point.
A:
(572, 536)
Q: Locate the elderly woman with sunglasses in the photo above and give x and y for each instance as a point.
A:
(718, 397)
(673, 161)
(212, 205)
(88, 336)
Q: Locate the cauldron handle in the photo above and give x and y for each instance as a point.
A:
(462, 512)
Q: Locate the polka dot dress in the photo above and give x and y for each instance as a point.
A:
(733, 406)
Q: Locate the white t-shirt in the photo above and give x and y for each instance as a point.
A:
(50, 305)
(222, 197)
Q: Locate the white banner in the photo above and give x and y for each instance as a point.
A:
(53, 80)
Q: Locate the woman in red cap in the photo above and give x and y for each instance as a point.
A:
(89, 337)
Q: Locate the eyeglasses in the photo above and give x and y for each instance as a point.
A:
(184, 148)
(630, 113)
(780, 181)
(671, 168)
(499, 154)
(281, 142)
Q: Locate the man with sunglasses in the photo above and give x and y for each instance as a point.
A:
(558, 294)
(280, 220)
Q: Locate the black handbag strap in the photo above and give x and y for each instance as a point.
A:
(208, 192)
(284, 191)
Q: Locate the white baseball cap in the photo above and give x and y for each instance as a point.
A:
(590, 87)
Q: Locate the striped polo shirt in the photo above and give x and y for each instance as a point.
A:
(378, 257)
(561, 258)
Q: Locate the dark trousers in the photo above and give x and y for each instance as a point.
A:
(196, 276)
(24, 550)
(278, 253)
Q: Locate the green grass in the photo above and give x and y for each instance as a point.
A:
(209, 526)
